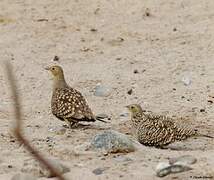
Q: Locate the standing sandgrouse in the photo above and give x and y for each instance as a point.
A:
(68, 104)
(158, 130)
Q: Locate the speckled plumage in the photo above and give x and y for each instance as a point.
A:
(157, 130)
(67, 103)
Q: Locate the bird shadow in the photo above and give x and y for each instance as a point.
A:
(196, 145)
(80, 126)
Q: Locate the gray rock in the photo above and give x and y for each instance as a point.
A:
(112, 142)
(99, 171)
(102, 91)
(57, 130)
(126, 114)
(183, 160)
(23, 176)
(176, 168)
(186, 80)
(122, 159)
(165, 168)
(130, 91)
(33, 167)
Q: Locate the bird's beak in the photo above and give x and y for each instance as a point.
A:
(127, 107)
(47, 68)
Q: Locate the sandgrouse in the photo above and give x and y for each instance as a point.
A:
(158, 130)
(67, 103)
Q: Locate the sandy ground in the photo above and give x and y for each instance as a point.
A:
(104, 42)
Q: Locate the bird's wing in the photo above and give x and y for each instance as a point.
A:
(69, 103)
(155, 131)
(183, 132)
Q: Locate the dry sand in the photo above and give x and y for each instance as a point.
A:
(104, 42)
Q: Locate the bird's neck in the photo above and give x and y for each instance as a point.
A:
(137, 114)
(59, 82)
(137, 118)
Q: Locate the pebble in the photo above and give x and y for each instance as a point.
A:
(124, 114)
(122, 159)
(112, 142)
(116, 42)
(147, 12)
(33, 167)
(136, 71)
(101, 91)
(23, 176)
(202, 110)
(99, 171)
(58, 130)
(176, 168)
(93, 30)
(56, 58)
(186, 80)
(130, 91)
(183, 160)
(165, 168)
(174, 29)
(210, 101)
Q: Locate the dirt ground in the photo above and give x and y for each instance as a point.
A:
(105, 42)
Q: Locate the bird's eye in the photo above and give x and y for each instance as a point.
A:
(53, 68)
(132, 107)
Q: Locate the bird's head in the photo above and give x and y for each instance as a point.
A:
(56, 71)
(134, 108)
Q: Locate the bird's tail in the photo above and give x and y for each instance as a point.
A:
(197, 133)
(205, 135)
(99, 118)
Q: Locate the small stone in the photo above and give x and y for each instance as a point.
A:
(41, 20)
(210, 101)
(186, 80)
(93, 30)
(116, 42)
(176, 168)
(57, 130)
(147, 12)
(130, 91)
(174, 29)
(32, 166)
(202, 110)
(112, 142)
(23, 176)
(85, 49)
(183, 160)
(136, 71)
(56, 58)
(101, 91)
(124, 114)
(99, 171)
(122, 159)
(163, 169)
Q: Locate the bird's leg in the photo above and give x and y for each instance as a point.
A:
(69, 123)
(73, 124)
